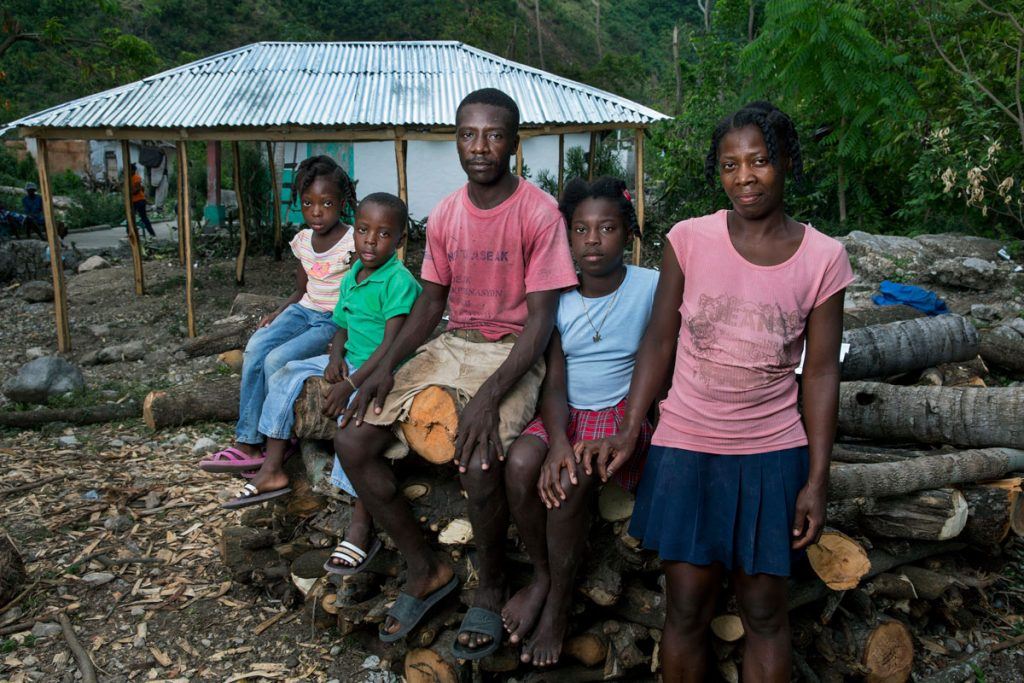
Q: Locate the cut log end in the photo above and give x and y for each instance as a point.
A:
(727, 627)
(889, 653)
(432, 425)
(840, 561)
(147, 408)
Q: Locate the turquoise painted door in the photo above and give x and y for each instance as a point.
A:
(341, 152)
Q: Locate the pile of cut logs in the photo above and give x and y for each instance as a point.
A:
(923, 468)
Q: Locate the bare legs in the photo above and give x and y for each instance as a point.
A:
(692, 594)
(360, 450)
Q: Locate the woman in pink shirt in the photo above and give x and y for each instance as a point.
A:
(736, 478)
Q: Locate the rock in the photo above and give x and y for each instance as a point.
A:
(115, 443)
(132, 351)
(118, 523)
(29, 661)
(158, 358)
(93, 263)
(371, 662)
(99, 330)
(98, 578)
(68, 441)
(36, 352)
(335, 650)
(180, 439)
(138, 611)
(291, 661)
(968, 273)
(36, 291)
(985, 312)
(42, 378)
(203, 445)
(954, 245)
(46, 629)
(23, 260)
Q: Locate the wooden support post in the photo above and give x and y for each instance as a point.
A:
(591, 155)
(184, 221)
(243, 229)
(129, 214)
(561, 164)
(401, 148)
(186, 236)
(60, 296)
(519, 159)
(277, 200)
(638, 185)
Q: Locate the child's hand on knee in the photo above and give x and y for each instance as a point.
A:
(549, 486)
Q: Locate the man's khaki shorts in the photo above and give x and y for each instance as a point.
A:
(462, 361)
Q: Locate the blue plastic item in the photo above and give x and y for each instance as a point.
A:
(893, 293)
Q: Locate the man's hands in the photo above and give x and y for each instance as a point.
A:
(336, 399)
(478, 433)
(372, 392)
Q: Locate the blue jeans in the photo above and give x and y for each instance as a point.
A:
(278, 416)
(297, 333)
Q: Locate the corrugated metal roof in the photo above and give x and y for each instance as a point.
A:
(333, 85)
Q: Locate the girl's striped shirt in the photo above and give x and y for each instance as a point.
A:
(324, 269)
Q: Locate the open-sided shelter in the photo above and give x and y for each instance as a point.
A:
(353, 91)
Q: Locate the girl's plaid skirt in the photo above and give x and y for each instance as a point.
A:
(586, 425)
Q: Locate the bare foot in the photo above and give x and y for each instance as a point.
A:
(420, 587)
(521, 612)
(267, 480)
(485, 598)
(545, 646)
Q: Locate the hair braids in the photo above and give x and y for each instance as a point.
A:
(780, 137)
(323, 166)
(606, 187)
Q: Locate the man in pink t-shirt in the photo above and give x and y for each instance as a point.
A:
(498, 257)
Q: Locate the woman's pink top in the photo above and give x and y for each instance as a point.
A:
(734, 388)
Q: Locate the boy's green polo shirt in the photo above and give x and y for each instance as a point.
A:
(364, 308)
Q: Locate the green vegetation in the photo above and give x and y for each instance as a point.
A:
(909, 112)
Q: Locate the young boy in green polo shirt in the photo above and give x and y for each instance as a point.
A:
(376, 295)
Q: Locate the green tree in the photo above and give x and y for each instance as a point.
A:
(819, 59)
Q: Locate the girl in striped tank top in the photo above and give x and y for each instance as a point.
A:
(302, 327)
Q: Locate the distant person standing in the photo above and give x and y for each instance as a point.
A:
(32, 207)
(139, 200)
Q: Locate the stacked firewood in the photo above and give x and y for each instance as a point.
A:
(923, 468)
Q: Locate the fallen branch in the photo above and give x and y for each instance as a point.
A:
(108, 412)
(32, 485)
(85, 664)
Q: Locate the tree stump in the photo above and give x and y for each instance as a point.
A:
(432, 424)
(12, 570)
(885, 649)
(436, 665)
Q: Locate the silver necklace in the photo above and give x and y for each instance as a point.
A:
(597, 330)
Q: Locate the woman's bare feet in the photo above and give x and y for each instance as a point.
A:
(545, 645)
(521, 612)
(359, 532)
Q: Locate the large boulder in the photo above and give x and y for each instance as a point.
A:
(967, 273)
(40, 379)
(36, 291)
(23, 260)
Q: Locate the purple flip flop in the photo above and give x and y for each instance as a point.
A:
(231, 459)
(250, 495)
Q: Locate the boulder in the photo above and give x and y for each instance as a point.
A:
(36, 291)
(93, 263)
(40, 379)
(966, 273)
(23, 260)
(952, 245)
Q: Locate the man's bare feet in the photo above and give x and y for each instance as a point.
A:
(267, 480)
(420, 587)
(489, 599)
(521, 612)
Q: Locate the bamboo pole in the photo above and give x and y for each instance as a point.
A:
(60, 297)
(638, 184)
(561, 164)
(129, 213)
(183, 220)
(519, 159)
(277, 201)
(186, 237)
(401, 148)
(591, 155)
(243, 229)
